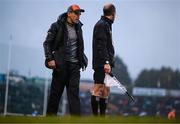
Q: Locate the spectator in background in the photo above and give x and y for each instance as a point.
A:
(172, 114)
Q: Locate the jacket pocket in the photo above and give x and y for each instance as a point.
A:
(59, 57)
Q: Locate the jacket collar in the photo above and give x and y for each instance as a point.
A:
(107, 20)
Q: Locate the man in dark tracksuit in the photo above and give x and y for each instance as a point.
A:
(64, 52)
(103, 58)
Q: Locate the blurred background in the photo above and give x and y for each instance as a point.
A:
(146, 35)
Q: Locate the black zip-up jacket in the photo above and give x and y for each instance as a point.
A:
(57, 38)
(103, 49)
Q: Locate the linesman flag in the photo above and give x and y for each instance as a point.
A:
(111, 81)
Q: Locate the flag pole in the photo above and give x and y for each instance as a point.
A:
(7, 76)
(45, 95)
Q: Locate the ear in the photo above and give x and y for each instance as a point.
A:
(68, 14)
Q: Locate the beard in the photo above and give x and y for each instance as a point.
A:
(76, 21)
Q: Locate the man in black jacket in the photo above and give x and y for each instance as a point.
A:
(103, 58)
(64, 52)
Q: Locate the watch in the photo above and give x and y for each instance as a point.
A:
(107, 62)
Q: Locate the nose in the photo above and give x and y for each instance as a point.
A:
(78, 16)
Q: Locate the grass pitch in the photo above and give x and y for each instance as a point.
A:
(86, 119)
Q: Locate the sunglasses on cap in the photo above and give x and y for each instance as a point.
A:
(77, 12)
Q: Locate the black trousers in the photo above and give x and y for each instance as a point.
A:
(67, 76)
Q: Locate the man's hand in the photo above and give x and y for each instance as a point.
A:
(52, 64)
(107, 68)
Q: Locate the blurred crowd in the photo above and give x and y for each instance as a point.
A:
(143, 106)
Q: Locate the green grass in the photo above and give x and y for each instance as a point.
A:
(84, 120)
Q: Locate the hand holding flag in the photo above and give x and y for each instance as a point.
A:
(111, 81)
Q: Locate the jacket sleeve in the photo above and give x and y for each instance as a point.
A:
(101, 33)
(49, 41)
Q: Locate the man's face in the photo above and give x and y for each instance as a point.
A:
(74, 16)
(113, 16)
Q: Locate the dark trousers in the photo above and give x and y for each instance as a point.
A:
(96, 102)
(67, 76)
